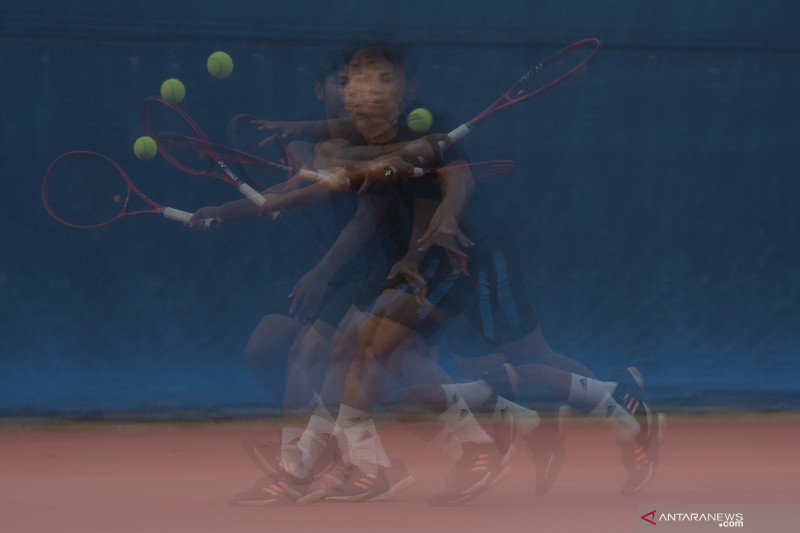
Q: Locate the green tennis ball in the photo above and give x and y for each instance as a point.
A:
(173, 91)
(145, 148)
(220, 65)
(420, 120)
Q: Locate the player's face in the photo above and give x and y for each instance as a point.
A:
(333, 96)
(373, 95)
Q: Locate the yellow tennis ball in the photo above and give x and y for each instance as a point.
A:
(220, 65)
(419, 120)
(173, 91)
(145, 148)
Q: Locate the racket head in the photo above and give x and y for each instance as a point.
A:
(486, 169)
(265, 144)
(177, 142)
(477, 171)
(166, 123)
(88, 190)
(546, 75)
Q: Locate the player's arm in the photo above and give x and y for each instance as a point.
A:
(315, 129)
(408, 266)
(308, 291)
(424, 151)
(457, 186)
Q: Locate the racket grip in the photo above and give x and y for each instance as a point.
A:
(317, 175)
(184, 217)
(254, 195)
(456, 135)
(251, 193)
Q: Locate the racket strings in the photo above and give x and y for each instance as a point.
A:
(190, 151)
(177, 140)
(555, 69)
(486, 169)
(85, 190)
(276, 164)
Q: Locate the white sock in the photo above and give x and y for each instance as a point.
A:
(475, 393)
(593, 395)
(525, 420)
(586, 393)
(459, 420)
(315, 438)
(363, 445)
(621, 421)
(291, 455)
(452, 393)
(449, 443)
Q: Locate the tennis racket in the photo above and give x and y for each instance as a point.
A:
(545, 76)
(89, 190)
(245, 137)
(166, 122)
(193, 147)
(478, 171)
(253, 167)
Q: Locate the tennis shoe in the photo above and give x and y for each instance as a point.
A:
(640, 455)
(348, 483)
(546, 448)
(268, 458)
(272, 489)
(480, 467)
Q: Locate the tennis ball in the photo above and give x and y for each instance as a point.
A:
(420, 120)
(173, 91)
(145, 148)
(220, 65)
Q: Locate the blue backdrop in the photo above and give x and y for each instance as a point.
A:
(654, 202)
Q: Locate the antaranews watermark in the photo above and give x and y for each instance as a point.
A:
(744, 518)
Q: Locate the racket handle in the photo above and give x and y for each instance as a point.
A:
(184, 217)
(456, 135)
(251, 193)
(254, 195)
(317, 175)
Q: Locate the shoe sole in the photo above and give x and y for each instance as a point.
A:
(395, 489)
(448, 499)
(251, 446)
(661, 421)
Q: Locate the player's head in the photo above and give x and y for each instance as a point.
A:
(330, 80)
(375, 90)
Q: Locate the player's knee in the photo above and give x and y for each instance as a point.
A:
(428, 396)
(311, 351)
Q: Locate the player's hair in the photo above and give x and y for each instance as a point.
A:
(397, 53)
(334, 59)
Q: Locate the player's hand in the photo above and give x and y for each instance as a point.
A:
(307, 294)
(336, 179)
(270, 207)
(408, 269)
(385, 170)
(424, 151)
(280, 128)
(443, 231)
(197, 222)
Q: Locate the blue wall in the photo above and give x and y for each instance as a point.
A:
(655, 200)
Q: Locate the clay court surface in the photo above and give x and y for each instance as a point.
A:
(97, 477)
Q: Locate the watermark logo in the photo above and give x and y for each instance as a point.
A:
(755, 518)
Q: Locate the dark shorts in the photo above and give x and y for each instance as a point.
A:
(500, 311)
(448, 295)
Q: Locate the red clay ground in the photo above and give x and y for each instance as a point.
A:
(160, 478)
